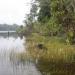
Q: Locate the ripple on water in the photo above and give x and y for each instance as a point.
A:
(7, 67)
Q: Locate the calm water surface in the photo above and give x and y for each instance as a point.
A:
(9, 45)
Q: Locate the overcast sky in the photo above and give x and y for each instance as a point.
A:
(13, 11)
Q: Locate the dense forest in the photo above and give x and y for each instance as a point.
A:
(6, 27)
(52, 17)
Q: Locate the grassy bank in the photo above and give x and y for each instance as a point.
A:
(55, 57)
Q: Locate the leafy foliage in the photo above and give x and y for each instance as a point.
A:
(52, 17)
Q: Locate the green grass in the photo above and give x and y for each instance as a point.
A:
(56, 48)
(57, 59)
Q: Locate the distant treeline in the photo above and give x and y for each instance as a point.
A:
(6, 27)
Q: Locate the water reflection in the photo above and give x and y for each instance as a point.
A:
(8, 46)
(11, 44)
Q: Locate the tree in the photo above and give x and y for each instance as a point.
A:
(64, 13)
(44, 12)
(31, 18)
(54, 16)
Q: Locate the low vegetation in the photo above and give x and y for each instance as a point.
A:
(51, 40)
(55, 58)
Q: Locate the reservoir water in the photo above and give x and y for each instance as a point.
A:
(10, 45)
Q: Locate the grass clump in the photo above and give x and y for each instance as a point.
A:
(56, 57)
